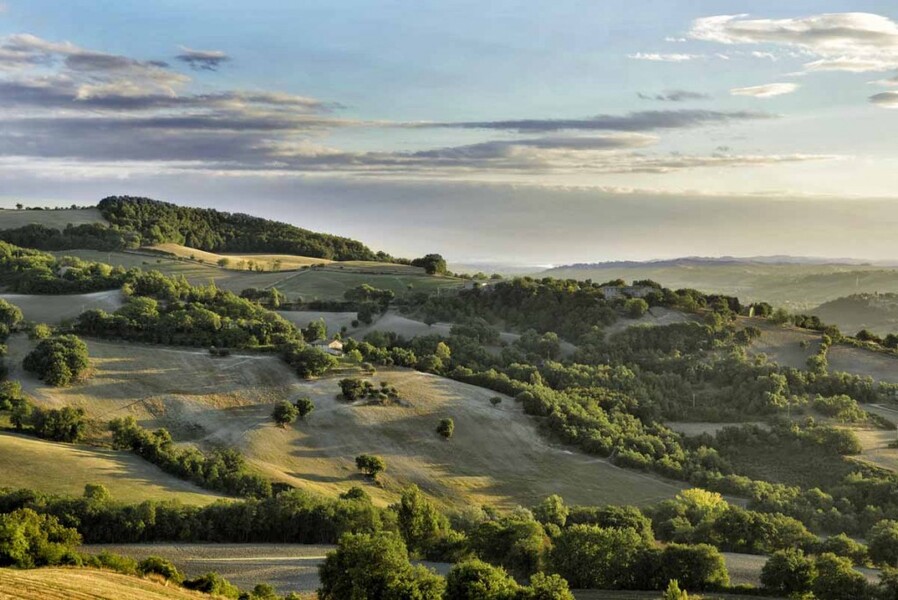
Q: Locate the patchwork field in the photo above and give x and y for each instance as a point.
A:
(59, 583)
(66, 468)
(496, 456)
(57, 219)
(55, 309)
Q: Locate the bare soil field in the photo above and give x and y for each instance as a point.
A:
(55, 309)
(858, 361)
(57, 468)
(57, 219)
(60, 583)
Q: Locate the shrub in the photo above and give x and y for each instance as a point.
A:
(156, 565)
(446, 428)
(284, 413)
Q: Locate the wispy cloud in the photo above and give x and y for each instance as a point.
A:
(885, 99)
(853, 42)
(660, 57)
(768, 90)
(674, 96)
(203, 60)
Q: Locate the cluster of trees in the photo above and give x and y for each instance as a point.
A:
(223, 470)
(58, 361)
(34, 272)
(215, 231)
(354, 388)
(92, 236)
(285, 413)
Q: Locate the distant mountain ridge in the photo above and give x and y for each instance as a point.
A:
(778, 259)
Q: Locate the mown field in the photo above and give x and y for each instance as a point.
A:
(57, 219)
(57, 468)
(239, 262)
(60, 583)
(496, 457)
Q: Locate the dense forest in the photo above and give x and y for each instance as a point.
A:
(215, 231)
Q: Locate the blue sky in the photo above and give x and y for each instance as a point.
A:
(328, 113)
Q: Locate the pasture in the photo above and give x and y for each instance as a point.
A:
(58, 468)
(61, 583)
(786, 346)
(55, 219)
(240, 262)
(866, 363)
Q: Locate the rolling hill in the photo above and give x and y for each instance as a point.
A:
(57, 583)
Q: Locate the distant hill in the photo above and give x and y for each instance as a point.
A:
(797, 283)
(876, 312)
(215, 231)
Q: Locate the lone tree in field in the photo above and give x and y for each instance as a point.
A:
(284, 413)
(496, 400)
(304, 407)
(58, 361)
(370, 465)
(446, 428)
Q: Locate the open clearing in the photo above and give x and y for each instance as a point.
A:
(57, 219)
(858, 361)
(496, 456)
(783, 345)
(59, 583)
(58, 468)
(55, 309)
(694, 428)
(657, 315)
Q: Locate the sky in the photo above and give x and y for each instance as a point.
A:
(533, 132)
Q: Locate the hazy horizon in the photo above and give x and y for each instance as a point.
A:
(549, 133)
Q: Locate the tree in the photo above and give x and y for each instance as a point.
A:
(375, 566)
(10, 314)
(496, 400)
(883, 543)
(433, 264)
(837, 579)
(673, 592)
(477, 580)
(547, 587)
(304, 407)
(592, 557)
(284, 413)
(370, 464)
(636, 307)
(58, 361)
(314, 331)
(552, 510)
(156, 565)
(29, 539)
(420, 523)
(446, 428)
(788, 572)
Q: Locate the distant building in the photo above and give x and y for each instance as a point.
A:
(334, 347)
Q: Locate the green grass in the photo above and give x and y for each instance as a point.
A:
(57, 468)
(57, 219)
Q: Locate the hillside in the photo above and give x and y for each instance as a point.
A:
(67, 468)
(496, 457)
(875, 312)
(56, 583)
(796, 286)
(215, 231)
